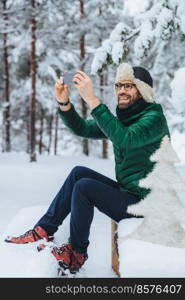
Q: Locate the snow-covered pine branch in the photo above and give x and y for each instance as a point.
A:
(113, 48)
(144, 40)
(178, 91)
(155, 25)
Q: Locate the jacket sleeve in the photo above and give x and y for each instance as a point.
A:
(79, 126)
(150, 128)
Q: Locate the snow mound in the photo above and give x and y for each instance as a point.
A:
(144, 259)
(24, 220)
(25, 260)
(127, 226)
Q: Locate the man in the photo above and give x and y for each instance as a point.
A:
(136, 132)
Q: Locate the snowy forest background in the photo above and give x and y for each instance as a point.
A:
(40, 39)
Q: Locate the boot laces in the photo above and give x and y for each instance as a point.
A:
(62, 249)
(26, 233)
(31, 231)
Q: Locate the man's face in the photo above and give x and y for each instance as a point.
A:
(126, 95)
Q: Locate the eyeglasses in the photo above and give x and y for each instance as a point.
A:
(126, 86)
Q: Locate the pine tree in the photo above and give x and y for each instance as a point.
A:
(164, 214)
(149, 39)
(178, 91)
(57, 49)
(33, 80)
(6, 112)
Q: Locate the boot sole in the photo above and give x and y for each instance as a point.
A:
(9, 241)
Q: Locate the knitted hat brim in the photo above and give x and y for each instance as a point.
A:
(126, 72)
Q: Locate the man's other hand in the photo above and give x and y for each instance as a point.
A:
(85, 87)
(61, 91)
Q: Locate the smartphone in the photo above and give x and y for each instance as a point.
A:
(68, 77)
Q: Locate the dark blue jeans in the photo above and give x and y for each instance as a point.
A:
(83, 190)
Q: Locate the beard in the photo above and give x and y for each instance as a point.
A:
(124, 100)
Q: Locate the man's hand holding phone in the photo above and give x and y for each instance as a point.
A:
(84, 85)
(85, 88)
(61, 91)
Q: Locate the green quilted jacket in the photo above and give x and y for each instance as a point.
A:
(136, 133)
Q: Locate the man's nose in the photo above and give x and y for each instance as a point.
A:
(122, 88)
(123, 92)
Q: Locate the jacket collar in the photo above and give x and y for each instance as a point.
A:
(124, 115)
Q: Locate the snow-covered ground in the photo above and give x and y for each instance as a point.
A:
(144, 259)
(26, 190)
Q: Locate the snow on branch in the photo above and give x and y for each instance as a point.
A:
(144, 40)
(147, 31)
(113, 47)
(180, 15)
(165, 24)
(178, 91)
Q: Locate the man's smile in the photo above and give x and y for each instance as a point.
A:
(124, 98)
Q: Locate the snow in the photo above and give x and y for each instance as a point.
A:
(154, 246)
(26, 190)
(178, 91)
(134, 7)
(162, 209)
(165, 23)
(113, 46)
(178, 143)
(117, 52)
(144, 40)
(127, 226)
(99, 59)
(150, 38)
(180, 15)
(144, 259)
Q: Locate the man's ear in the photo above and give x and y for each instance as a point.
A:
(139, 95)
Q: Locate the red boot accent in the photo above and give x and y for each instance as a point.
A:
(30, 236)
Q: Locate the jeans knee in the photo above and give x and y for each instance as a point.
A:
(78, 170)
(83, 185)
(80, 193)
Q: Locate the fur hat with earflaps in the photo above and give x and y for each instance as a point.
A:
(140, 77)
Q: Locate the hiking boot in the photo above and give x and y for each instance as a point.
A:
(77, 261)
(63, 255)
(33, 235)
(67, 257)
(41, 247)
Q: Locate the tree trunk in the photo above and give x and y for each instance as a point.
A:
(103, 82)
(105, 148)
(28, 130)
(56, 133)
(33, 83)
(41, 130)
(6, 113)
(50, 133)
(82, 57)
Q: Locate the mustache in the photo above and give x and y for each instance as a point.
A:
(121, 95)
